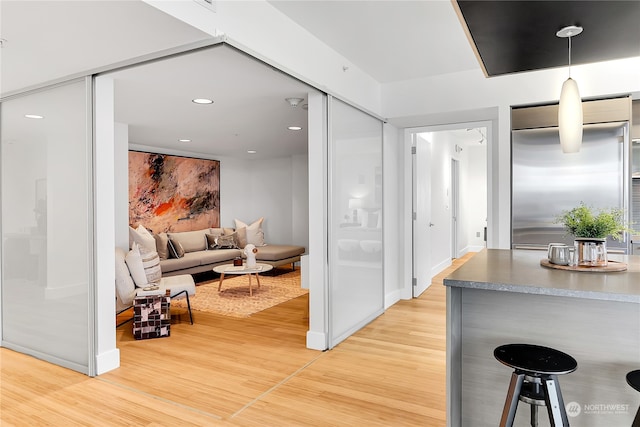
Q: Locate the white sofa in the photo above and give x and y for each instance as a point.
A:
(200, 255)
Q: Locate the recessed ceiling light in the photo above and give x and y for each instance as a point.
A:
(294, 128)
(251, 151)
(184, 140)
(34, 116)
(202, 101)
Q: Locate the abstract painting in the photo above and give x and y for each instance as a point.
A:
(173, 193)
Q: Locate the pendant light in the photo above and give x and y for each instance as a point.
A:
(570, 108)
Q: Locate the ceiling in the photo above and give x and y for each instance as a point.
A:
(516, 36)
(249, 111)
(390, 40)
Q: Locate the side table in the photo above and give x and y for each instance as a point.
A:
(151, 316)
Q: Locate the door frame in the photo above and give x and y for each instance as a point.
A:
(491, 125)
(455, 206)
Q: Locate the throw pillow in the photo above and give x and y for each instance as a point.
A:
(255, 235)
(227, 241)
(125, 286)
(241, 237)
(142, 237)
(211, 241)
(134, 262)
(162, 241)
(211, 236)
(151, 265)
(175, 249)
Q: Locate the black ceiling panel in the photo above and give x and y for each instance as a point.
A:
(516, 36)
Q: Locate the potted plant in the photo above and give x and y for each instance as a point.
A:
(590, 229)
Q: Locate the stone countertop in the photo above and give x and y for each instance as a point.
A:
(520, 271)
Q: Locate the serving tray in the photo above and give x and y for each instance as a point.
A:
(611, 266)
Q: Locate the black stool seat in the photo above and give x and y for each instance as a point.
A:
(535, 359)
(633, 379)
(534, 381)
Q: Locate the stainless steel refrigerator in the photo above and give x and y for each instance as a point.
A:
(546, 181)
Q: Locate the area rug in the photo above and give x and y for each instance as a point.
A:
(234, 299)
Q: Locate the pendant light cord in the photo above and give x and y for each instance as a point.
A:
(569, 56)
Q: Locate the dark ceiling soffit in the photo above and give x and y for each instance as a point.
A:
(467, 33)
(519, 36)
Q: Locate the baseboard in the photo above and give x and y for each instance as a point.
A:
(392, 298)
(436, 269)
(107, 361)
(316, 340)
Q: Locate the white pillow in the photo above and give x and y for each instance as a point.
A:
(142, 237)
(125, 287)
(134, 262)
(255, 235)
(151, 265)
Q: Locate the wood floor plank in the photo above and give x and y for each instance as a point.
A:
(249, 372)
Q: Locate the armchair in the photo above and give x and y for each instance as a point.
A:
(181, 286)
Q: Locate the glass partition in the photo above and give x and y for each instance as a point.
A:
(46, 244)
(356, 286)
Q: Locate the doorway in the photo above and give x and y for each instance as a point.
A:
(453, 177)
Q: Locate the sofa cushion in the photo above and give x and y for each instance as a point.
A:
(134, 262)
(125, 288)
(142, 237)
(277, 252)
(241, 237)
(175, 249)
(255, 235)
(151, 265)
(217, 256)
(227, 241)
(217, 231)
(191, 241)
(190, 259)
(162, 240)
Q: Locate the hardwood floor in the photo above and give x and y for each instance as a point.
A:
(249, 372)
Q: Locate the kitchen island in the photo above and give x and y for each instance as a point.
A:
(506, 296)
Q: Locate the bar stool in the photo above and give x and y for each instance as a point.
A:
(633, 379)
(534, 381)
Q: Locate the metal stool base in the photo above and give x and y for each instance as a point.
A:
(543, 390)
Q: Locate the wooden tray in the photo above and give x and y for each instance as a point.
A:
(611, 267)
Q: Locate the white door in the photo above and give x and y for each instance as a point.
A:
(356, 269)
(421, 214)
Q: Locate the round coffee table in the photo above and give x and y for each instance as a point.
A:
(232, 269)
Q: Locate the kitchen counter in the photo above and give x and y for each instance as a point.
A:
(505, 296)
(520, 271)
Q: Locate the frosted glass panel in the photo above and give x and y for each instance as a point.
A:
(46, 249)
(355, 268)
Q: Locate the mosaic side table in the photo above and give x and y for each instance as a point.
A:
(151, 316)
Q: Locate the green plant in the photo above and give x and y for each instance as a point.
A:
(582, 221)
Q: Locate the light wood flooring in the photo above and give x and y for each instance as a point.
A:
(249, 372)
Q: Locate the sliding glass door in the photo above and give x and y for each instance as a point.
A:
(46, 209)
(356, 286)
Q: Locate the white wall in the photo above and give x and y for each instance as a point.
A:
(392, 226)
(441, 154)
(474, 200)
(274, 189)
(121, 184)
